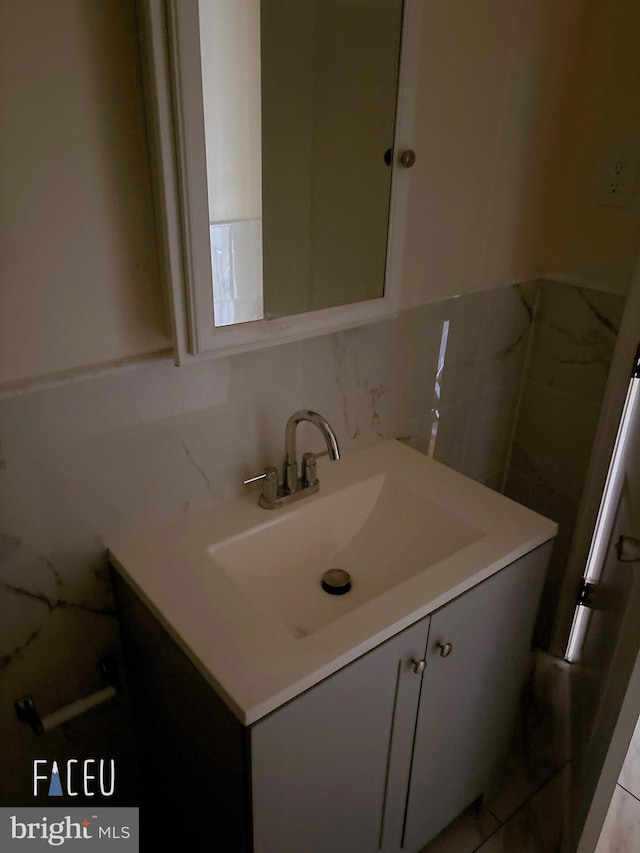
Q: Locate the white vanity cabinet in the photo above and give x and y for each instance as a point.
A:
(381, 755)
(469, 697)
(385, 753)
(320, 764)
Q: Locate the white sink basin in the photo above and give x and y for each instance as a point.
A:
(377, 530)
(238, 587)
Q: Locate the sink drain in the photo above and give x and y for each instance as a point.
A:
(336, 582)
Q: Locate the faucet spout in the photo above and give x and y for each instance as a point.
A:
(290, 461)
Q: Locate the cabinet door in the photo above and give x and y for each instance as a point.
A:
(322, 773)
(469, 697)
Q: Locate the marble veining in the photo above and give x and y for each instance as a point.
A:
(44, 587)
(346, 378)
(190, 458)
(510, 348)
(608, 323)
(573, 336)
(522, 462)
(481, 373)
(527, 293)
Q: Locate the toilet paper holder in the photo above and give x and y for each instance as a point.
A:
(27, 711)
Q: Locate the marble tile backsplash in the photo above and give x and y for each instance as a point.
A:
(92, 458)
(574, 334)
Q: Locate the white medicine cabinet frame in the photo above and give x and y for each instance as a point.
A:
(171, 70)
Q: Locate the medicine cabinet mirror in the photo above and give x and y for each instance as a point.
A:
(280, 133)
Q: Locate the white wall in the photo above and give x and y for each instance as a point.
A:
(490, 75)
(519, 103)
(586, 240)
(516, 103)
(78, 260)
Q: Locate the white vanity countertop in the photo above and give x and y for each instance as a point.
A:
(253, 660)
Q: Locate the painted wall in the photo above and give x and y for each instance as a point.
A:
(77, 250)
(495, 78)
(516, 102)
(520, 107)
(594, 243)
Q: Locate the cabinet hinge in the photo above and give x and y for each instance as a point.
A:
(586, 593)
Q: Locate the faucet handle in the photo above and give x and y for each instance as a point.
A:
(309, 471)
(270, 485)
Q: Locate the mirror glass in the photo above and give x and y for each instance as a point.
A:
(299, 100)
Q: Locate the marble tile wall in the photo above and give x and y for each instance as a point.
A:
(485, 357)
(94, 457)
(571, 346)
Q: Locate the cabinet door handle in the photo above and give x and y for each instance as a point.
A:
(408, 158)
(445, 649)
(418, 665)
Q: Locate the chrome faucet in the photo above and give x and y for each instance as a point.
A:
(290, 472)
(296, 486)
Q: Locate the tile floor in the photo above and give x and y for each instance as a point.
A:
(621, 830)
(536, 826)
(525, 813)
